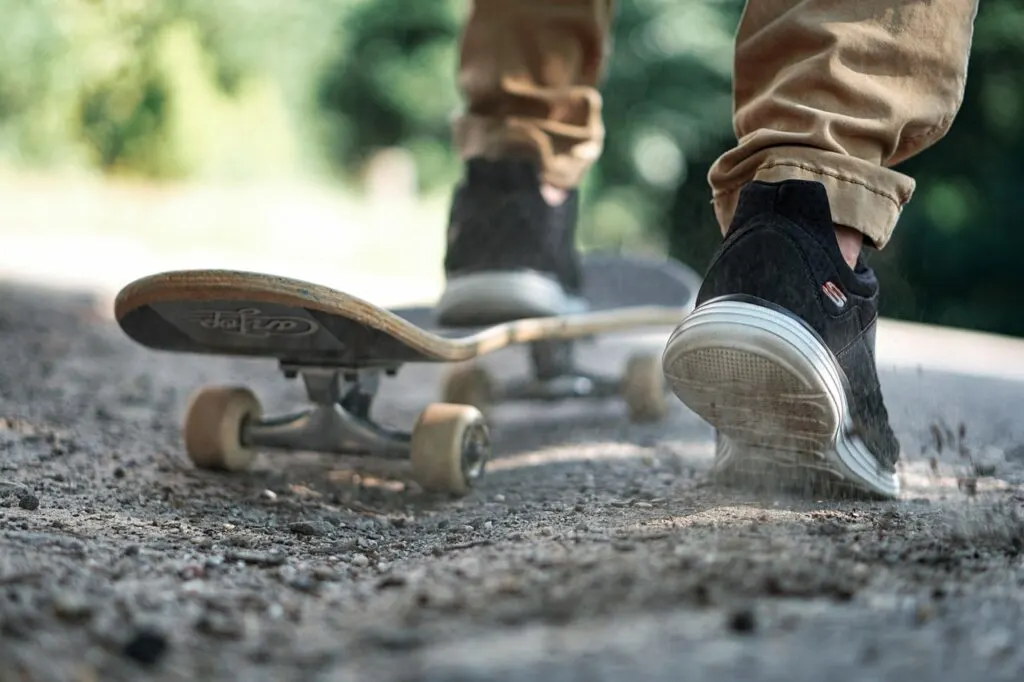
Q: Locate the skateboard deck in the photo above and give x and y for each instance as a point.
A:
(225, 312)
(341, 345)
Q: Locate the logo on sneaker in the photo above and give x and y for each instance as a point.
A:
(834, 294)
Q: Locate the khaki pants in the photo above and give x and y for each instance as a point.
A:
(836, 91)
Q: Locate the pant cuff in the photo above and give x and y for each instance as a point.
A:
(563, 161)
(862, 195)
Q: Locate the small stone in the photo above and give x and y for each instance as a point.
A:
(390, 581)
(119, 472)
(264, 559)
(238, 540)
(359, 560)
(304, 528)
(643, 505)
(268, 495)
(303, 583)
(742, 621)
(192, 572)
(924, 613)
(146, 647)
(28, 502)
(325, 574)
(71, 607)
(499, 498)
(220, 626)
(968, 485)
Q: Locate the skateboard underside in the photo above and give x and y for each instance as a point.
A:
(299, 324)
(341, 347)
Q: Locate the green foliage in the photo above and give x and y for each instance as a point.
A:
(667, 101)
(394, 84)
(168, 89)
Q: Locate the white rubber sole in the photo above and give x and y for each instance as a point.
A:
(773, 392)
(490, 297)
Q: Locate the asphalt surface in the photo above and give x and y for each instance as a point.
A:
(593, 550)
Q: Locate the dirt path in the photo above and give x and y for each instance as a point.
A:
(593, 551)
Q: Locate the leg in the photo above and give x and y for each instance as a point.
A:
(779, 354)
(530, 131)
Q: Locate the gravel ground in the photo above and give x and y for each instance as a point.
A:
(594, 550)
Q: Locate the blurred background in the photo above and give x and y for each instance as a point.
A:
(312, 139)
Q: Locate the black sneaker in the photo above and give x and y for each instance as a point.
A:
(510, 254)
(779, 352)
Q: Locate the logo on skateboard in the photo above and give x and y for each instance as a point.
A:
(250, 322)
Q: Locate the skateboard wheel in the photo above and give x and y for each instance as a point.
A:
(213, 427)
(449, 448)
(469, 384)
(643, 389)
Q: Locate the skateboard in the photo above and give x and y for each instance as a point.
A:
(342, 346)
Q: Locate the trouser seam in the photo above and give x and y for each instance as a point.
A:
(818, 170)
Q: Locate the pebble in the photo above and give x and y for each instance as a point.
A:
(28, 501)
(359, 560)
(192, 572)
(269, 495)
(393, 580)
(71, 607)
(304, 528)
(325, 574)
(146, 647)
(220, 626)
(924, 613)
(742, 621)
(257, 558)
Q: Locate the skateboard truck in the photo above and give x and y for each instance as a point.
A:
(556, 376)
(448, 447)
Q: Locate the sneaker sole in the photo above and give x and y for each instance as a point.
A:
(495, 297)
(775, 393)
